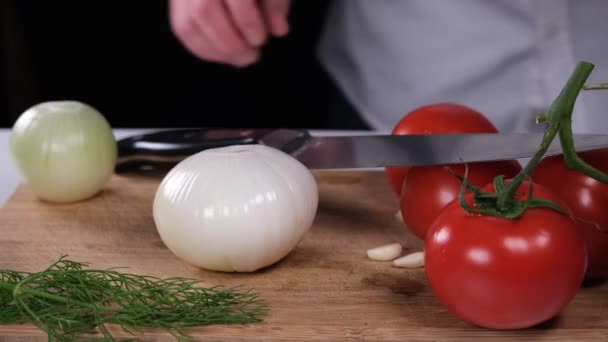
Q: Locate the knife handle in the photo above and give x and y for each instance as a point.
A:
(172, 146)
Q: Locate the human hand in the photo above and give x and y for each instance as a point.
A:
(228, 31)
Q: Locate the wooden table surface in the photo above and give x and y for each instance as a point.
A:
(326, 289)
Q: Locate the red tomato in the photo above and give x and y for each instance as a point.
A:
(587, 198)
(427, 190)
(441, 118)
(505, 274)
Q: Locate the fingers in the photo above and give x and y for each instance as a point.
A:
(228, 31)
(206, 28)
(248, 18)
(215, 23)
(275, 12)
(204, 49)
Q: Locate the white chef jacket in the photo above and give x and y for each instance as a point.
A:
(506, 58)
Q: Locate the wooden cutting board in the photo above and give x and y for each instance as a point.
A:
(326, 289)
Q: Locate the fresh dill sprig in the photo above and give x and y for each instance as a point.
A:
(66, 301)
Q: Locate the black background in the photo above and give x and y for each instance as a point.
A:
(122, 58)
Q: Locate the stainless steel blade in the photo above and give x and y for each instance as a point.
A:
(353, 152)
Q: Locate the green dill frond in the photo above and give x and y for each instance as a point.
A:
(67, 301)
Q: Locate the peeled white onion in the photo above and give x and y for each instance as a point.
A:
(65, 151)
(237, 208)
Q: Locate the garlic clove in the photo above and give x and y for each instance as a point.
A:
(413, 260)
(385, 253)
(399, 216)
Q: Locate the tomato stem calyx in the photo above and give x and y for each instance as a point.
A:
(485, 202)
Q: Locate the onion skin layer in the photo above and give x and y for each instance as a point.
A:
(64, 151)
(235, 209)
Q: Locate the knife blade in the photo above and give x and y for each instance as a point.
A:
(344, 152)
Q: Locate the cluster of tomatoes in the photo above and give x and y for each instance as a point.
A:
(496, 272)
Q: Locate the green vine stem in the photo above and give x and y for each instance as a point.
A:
(600, 86)
(502, 202)
(559, 112)
(572, 160)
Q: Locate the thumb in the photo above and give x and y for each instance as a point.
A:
(275, 13)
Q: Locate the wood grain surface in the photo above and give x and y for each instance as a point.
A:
(326, 289)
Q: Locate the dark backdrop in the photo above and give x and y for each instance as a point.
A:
(121, 57)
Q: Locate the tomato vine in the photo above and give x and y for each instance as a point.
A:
(503, 202)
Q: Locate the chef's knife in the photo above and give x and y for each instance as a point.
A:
(343, 152)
